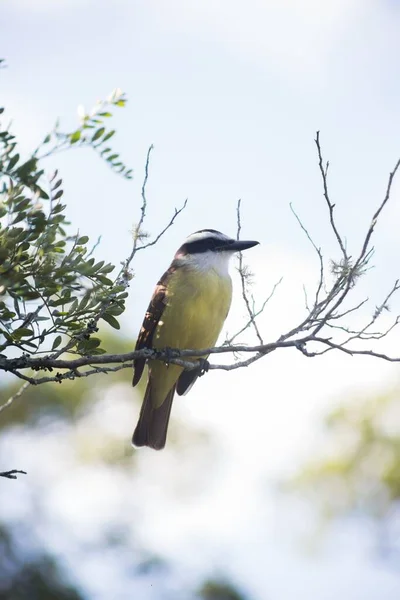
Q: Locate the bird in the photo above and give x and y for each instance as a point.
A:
(187, 311)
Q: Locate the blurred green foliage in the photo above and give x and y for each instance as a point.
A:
(359, 472)
(29, 568)
(37, 578)
(66, 401)
(214, 589)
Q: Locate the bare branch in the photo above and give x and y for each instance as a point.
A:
(138, 229)
(12, 474)
(95, 245)
(15, 396)
(228, 342)
(324, 174)
(138, 234)
(184, 358)
(320, 259)
(328, 311)
(375, 217)
(352, 351)
(177, 212)
(244, 278)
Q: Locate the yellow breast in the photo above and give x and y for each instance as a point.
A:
(197, 305)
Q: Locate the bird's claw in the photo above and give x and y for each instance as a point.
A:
(204, 366)
(168, 354)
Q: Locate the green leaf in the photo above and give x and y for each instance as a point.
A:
(107, 268)
(23, 332)
(27, 168)
(98, 266)
(87, 346)
(16, 307)
(108, 135)
(98, 134)
(13, 162)
(84, 301)
(75, 137)
(57, 184)
(59, 208)
(19, 218)
(56, 342)
(73, 306)
(82, 240)
(42, 193)
(30, 344)
(104, 280)
(111, 321)
(115, 310)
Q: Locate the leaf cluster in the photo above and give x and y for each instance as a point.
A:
(53, 291)
(92, 132)
(361, 471)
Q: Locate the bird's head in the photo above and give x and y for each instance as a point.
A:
(209, 248)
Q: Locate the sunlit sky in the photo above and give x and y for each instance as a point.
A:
(231, 94)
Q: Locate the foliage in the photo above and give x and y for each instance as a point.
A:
(219, 590)
(360, 473)
(92, 132)
(23, 576)
(52, 288)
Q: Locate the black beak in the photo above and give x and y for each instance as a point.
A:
(238, 245)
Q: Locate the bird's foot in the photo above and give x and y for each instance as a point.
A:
(168, 354)
(204, 366)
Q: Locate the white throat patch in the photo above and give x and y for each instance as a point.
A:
(209, 261)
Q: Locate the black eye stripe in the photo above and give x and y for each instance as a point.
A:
(203, 245)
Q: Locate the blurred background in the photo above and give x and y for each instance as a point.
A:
(278, 481)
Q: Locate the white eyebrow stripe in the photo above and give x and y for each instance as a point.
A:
(203, 235)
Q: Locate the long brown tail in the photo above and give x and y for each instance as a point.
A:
(152, 426)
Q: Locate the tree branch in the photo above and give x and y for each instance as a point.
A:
(324, 174)
(12, 474)
(15, 396)
(328, 312)
(184, 358)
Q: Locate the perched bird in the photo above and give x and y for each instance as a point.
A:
(187, 311)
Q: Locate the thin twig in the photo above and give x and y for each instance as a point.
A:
(15, 396)
(12, 474)
(244, 278)
(177, 212)
(324, 175)
(138, 227)
(378, 212)
(320, 259)
(256, 313)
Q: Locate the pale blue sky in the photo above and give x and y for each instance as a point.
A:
(230, 113)
(231, 94)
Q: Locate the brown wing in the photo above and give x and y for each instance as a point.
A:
(153, 315)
